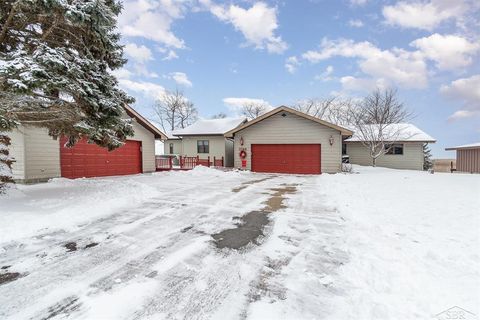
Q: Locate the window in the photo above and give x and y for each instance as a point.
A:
(171, 148)
(202, 146)
(396, 149)
(344, 149)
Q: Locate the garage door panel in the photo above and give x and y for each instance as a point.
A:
(287, 158)
(90, 160)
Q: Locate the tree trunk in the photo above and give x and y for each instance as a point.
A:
(9, 20)
(5, 163)
(374, 162)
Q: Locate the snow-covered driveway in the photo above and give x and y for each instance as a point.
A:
(380, 244)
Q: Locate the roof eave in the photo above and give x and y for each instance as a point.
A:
(404, 141)
(145, 123)
(198, 134)
(342, 130)
(461, 148)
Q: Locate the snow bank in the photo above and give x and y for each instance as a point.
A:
(413, 240)
(376, 244)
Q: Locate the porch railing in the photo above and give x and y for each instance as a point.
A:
(187, 163)
(163, 163)
(218, 162)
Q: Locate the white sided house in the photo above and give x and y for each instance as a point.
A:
(285, 140)
(39, 157)
(205, 139)
(404, 151)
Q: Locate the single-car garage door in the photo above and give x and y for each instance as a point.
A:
(89, 160)
(286, 158)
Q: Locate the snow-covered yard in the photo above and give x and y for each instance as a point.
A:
(379, 244)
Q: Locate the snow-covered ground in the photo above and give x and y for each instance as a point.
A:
(377, 244)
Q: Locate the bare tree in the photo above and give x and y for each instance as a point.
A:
(219, 115)
(333, 109)
(252, 110)
(174, 110)
(376, 122)
(342, 112)
(314, 107)
(187, 114)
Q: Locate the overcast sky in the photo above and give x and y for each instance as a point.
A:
(224, 53)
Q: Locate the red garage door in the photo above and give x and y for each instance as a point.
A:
(286, 158)
(89, 160)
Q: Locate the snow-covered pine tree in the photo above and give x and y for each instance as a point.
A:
(427, 157)
(56, 58)
(5, 162)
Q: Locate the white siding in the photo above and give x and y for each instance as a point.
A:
(177, 146)
(148, 146)
(291, 129)
(412, 157)
(42, 155)
(17, 152)
(216, 146)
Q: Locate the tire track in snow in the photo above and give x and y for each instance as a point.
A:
(301, 277)
(116, 256)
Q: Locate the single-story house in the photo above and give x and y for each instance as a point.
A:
(285, 140)
(39, 157)
(172, 146)
(404, 152)
(468, 157)
(205, 138)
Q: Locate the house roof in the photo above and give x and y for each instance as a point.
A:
(210, 127)
(168, 134)
(465, 146)
(343, 130)
(406, 132)
(145, 123)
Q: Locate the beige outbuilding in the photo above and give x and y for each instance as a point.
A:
(468, 157)
(39, 157)
(285, 140)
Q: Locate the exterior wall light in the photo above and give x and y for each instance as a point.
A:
(331, 140)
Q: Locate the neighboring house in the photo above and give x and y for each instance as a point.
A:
(406, 150)
(468, 157)
(39, 157)
(205, 138)
(288, 141)
(173, 146)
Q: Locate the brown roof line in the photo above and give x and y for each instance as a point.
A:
(145, 123)
(461, 148)
(344, 131)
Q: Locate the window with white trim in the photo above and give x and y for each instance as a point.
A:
(203, 146)
(394, 149)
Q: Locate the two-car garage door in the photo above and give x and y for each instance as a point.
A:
(89, 160)
(286, 158)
